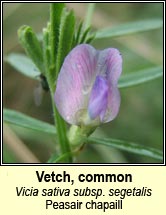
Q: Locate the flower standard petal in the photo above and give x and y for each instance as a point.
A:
(75, 81)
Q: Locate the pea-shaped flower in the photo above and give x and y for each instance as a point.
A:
(86, 91)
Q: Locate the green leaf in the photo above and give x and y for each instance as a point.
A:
(128, 146)
(140, 77)
(78, 33)
(84, 35)
(130, 28)
(55, 20)
(66, 38)
(90, 38)
(60, 158)
(23, 64)
(22, 120)
(53, 158)
(30, 43)
(46, 49)
(88, 17)
(8, 156)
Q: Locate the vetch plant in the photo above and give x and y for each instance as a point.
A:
(83, 81)
(86, 93)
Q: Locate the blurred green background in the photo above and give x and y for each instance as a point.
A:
(140, 118)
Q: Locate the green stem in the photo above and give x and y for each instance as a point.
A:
(62, 134)
(50, 49)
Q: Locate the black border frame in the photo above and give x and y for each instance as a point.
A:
(83, 164)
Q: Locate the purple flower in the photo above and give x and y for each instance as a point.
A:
(86, 90)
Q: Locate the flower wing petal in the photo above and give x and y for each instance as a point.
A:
(110, 66)
(98, 98)
(112, 105)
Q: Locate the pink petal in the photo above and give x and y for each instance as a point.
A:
(75, 82)
(112, 105)
(80, 92)
(110, 64)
